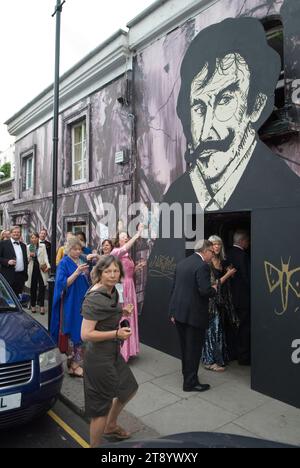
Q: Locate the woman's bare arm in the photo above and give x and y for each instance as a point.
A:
(89, 333)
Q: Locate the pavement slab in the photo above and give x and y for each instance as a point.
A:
(234, 429)
(150, 398)
(188, 415)
(273, 421)
(235, 398)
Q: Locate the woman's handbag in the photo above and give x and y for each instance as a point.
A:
(63, 340)
(44, 267)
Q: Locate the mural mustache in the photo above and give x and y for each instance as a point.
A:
(212, 146)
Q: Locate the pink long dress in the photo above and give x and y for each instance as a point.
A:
(130, 347)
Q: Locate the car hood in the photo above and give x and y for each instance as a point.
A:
(21, 337)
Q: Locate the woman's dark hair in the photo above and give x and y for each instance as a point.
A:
(35, 234)
(81, 234)
(110, 243)
(102, 265)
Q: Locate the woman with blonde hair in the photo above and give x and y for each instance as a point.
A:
(5, 235)
(61, 251)
(215, 353)
(71, 284)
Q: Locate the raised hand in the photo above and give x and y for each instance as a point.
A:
(128, 310)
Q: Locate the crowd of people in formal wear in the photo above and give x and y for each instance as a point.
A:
(95, 310)
(28, 266)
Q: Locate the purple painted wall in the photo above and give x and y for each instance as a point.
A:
(110, 130)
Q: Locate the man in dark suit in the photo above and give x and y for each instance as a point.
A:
(240, 288)
(189, 311)
(14, 260)
(43, 240)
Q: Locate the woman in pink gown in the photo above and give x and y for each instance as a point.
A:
(131, 347)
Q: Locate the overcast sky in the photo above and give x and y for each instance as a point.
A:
(27, 38)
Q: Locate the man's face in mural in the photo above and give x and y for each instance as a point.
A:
(220, 121)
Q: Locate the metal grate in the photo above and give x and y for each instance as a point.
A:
(12, 375)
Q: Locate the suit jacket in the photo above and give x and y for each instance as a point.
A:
(191, 292)
(7, 253)
(240, 282)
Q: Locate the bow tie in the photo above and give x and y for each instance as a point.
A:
(17, 243)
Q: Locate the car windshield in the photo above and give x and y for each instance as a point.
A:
(7, 303)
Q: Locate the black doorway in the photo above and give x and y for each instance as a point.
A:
(224, 225)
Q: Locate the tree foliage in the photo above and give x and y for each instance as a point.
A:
(6, 169)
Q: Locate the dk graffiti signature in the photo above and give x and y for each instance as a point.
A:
(162, 267)
(285, 279)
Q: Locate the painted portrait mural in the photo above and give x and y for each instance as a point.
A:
(228, 76)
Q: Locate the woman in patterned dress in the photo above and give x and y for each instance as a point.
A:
(215, 353)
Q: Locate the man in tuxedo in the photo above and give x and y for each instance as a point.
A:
(240, 288)
(14, 260)
(189, 311)
(43, 240)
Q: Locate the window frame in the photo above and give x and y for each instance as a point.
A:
(84, 159)
(24, 158)
(70, 120)
(29, 183)
(80, 220)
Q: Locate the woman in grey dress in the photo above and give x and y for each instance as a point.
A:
(108, 381)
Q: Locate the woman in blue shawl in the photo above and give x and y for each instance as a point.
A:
(71, 284)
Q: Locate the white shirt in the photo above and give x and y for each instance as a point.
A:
(238, 246)
(19, 256)
(198, 253)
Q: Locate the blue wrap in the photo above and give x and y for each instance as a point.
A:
(72, 301)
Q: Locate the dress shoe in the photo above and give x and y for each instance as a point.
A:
(197, 388)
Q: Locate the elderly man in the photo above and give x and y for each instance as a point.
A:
(189, 311)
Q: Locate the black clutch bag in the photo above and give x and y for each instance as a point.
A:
(125, 324)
